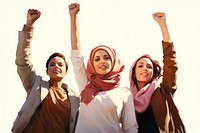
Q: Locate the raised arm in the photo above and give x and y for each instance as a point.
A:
(160, 17)
(24, 66)
(75, 40)
(76, 56)
(169, 55)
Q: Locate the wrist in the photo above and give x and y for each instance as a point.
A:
(29, 23)
(163, 24)
(28, 28)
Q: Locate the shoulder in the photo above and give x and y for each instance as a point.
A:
(124, 92)
(70, 90)
(43, 82)
(40, 82)
(123, 89)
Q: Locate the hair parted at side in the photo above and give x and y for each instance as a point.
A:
(156, 68)
(56, 54)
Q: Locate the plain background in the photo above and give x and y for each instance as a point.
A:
(125, 25)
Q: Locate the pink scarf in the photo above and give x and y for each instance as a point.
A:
(142, 97)
(99, 82)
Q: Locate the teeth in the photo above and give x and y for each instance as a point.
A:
(56, 71)
(103, 67)
(144, 74)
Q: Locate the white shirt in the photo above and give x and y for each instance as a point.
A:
(109, 112)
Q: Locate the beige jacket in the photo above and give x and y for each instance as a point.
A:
(36, 87)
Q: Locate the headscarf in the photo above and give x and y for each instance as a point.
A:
(142, 97)
(101, 82)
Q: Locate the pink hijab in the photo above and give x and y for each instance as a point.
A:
(99, 82)
(142, 97)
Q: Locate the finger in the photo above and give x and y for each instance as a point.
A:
(160, 14)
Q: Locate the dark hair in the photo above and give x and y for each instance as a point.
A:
(59, 55)
(156, 69)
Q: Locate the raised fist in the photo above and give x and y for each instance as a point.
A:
(159, 17)
(74, 8)
(32, 16)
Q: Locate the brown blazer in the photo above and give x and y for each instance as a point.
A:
(164, 109)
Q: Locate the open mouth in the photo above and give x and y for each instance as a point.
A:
(103, 67)
(56, 71)
(144, 74)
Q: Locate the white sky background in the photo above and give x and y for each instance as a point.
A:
(125, 25)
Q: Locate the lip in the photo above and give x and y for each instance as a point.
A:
(103, 67)
(144, 74)
(56, 71)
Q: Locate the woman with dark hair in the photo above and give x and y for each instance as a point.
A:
(51, 106)
(153, 93)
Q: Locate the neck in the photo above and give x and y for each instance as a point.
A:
(140, 85)
(56, 84)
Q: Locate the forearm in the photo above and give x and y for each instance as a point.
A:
(23, 47)
(170, 66)
(24, 66)
(165, 32)
(75, 41)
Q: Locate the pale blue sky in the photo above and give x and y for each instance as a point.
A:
(125, 25)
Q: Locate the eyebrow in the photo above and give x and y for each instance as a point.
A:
(139, 62)
(103, 55)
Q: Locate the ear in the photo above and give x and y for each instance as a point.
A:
(47, 72)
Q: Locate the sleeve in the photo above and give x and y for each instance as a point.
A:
(79, 69)
(24, 66)
(128, 118)
(169, 68)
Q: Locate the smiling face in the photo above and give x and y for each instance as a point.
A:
(102, 62)
(143, 71)
(56, 68)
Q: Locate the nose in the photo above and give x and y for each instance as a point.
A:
(103, 61)
(56, 66)
(145, 68)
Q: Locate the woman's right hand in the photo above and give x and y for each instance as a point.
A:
(74, 8)
(159, 17)
(32, 16)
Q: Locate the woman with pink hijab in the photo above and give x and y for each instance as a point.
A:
(105, 107)
(153, 93)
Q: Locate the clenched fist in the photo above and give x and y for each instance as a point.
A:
(159, 17)
(32, 16)
(74, 9)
